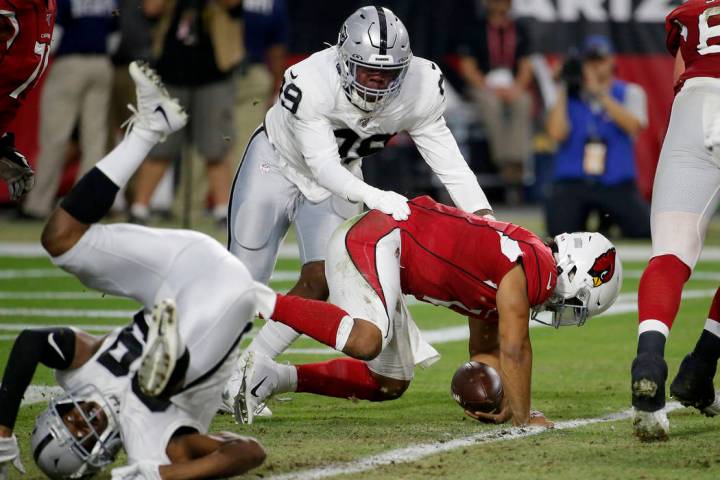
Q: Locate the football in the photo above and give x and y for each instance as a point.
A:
(477, 387)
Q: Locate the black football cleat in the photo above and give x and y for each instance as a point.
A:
(693, 385)
(649, 373)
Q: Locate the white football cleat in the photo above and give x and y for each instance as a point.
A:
(714, 408)
(651, 426)
(233, 386)
(162, 350)
(259, 382)
(155, 111)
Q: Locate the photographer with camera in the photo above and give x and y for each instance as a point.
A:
(594, 121)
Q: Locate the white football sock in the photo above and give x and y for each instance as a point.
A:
(273, 339)
(287, 378)
(121, 163)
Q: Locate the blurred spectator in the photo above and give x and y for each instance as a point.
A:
(594, 121)
(197, 44)
(258, 77)
(77, 89)
(494, 61)
(135, 44)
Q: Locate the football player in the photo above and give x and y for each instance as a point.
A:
(685, 196)
(153, 386)
(25, 33)
(496, 273)
(302, 165)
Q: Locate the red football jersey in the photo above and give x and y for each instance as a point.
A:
(694, 29)
(27, 27)
(454, 259)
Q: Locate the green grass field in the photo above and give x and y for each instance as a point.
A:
(578, 373)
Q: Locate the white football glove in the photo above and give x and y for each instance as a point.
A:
(712, 138)
(14, 168)
(9, 454)
(138, 471)
(388, 202)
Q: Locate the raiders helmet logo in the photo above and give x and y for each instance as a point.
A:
(603, 269)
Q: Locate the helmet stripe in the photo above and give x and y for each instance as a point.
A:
(383, 30)
(41, 446)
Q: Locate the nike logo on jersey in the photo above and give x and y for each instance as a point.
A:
(160, 109)
(253, 392)
(54, 345)
(292, 75)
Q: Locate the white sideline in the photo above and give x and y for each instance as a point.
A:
(422, 450)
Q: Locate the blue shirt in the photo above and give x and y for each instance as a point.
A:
(266, 24)
(586, 125)
(86, 25)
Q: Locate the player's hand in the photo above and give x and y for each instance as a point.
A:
(390, 203)
(10, 454)
(14, 168)
(537, 419)
(497, 418)
(138, 471)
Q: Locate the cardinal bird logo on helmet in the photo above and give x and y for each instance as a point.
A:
(603, 269)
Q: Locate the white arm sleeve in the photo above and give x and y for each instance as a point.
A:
(440, 150)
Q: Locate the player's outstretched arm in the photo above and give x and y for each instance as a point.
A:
(222, 455)
(515, 349)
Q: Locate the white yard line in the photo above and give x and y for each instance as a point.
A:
(91, 295)
(417, 452)
(65, 312)
(32, 273)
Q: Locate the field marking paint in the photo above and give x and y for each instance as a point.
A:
(417, 452)
(32, 273)
(66, 312)
(91, 295)
(40, 393)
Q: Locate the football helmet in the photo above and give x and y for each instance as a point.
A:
(373, 39)
(61, 453)
(589, 278)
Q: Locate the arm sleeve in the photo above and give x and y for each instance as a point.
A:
(52, 347)
(438, 147)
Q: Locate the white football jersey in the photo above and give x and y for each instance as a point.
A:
(313, 122)
(146, 423)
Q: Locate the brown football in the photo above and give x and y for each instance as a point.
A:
(477, 387)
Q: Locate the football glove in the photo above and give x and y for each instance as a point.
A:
(9, 454)
(14, 168)
(138, 471)
(388, 202)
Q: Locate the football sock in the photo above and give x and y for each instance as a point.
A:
(659, 297)
(708, 345)
(287, 378)
(342, 378)
(322, 321)
(121, 163)
(273, 339)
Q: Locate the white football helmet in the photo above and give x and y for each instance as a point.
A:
(61, 453)
(373, 38)
(589, 278)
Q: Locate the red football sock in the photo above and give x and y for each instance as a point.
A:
(316, 319)
(714, 313)
(342, 378)
(661, 289)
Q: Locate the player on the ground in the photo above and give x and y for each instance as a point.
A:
(494, 272)
(685, 196)
(302, 165)
(154, 386)
(25, 32)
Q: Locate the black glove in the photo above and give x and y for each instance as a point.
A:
(14, 168)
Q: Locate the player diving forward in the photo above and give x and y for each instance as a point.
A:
(494, 272)
(685, 196)
(183, 352)
(303, 164)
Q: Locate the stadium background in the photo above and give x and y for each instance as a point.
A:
(636, 28)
